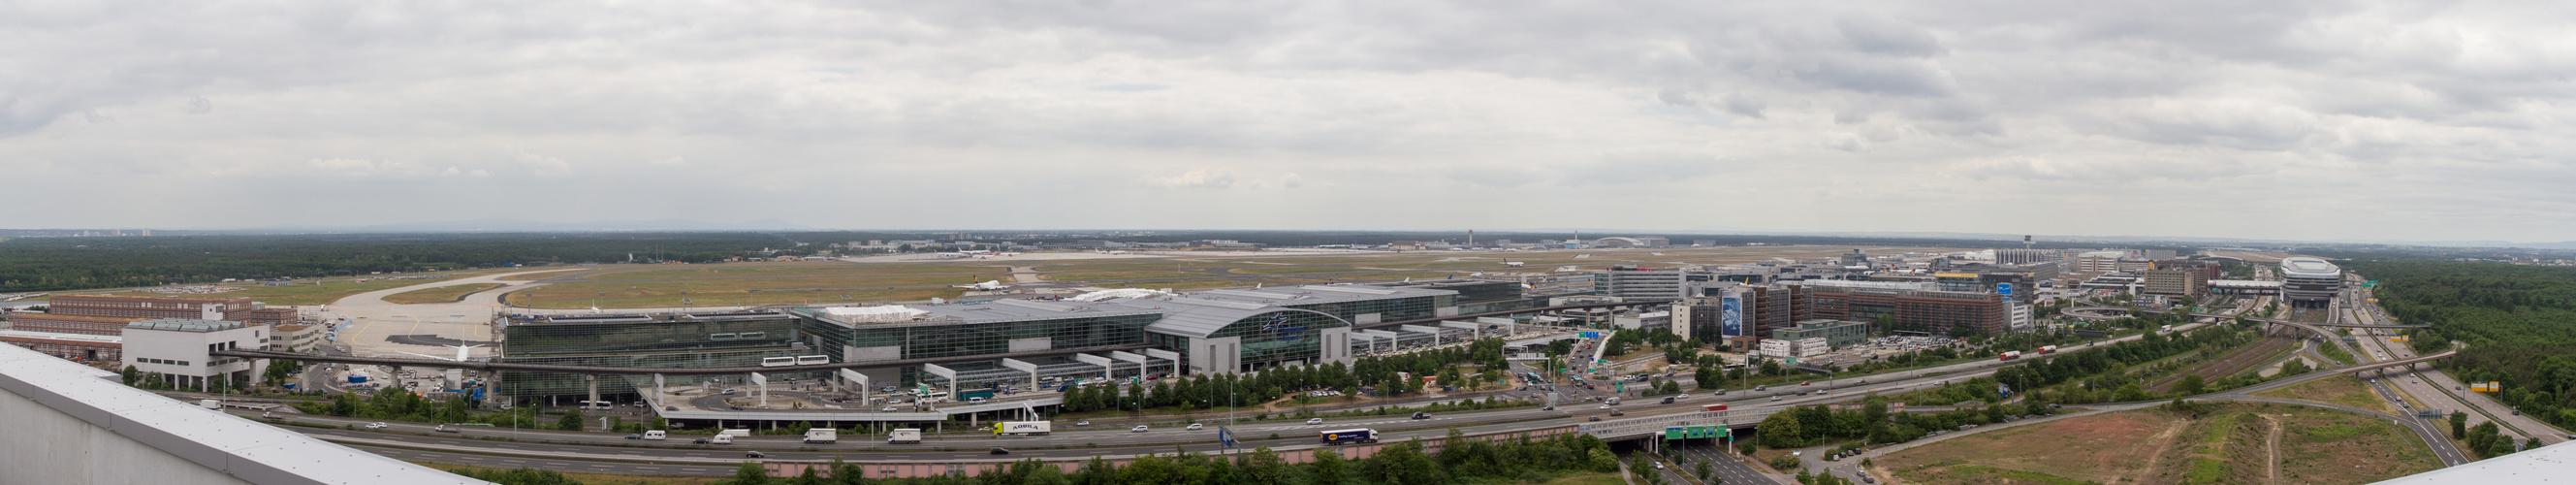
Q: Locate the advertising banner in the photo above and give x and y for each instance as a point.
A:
(1730, 315)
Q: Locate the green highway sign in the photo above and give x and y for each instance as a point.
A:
(1696, 432)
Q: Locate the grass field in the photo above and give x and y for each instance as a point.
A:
(2344, 389)
(727, 292)
(801, 270)
(1125, 275)
(305, 292)
(1135, 265)
(1266, 270)
(539, 275)
(441, 294)
(2226, 444)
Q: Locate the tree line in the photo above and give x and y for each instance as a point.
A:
(1468, 461)
(2514, 319)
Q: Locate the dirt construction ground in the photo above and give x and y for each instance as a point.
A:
(2258, 444)
(2243, 360)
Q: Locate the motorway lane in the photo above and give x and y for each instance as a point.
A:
(1722, 464)
(576, 466)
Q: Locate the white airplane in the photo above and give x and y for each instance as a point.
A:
(985, 286)
(460, 353)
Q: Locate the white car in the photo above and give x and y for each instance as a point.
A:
(1138, 429)
(1682, 396)
(376, 426)
(1195, 427)
(1315, 421)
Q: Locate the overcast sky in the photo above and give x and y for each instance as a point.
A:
(2271, 119)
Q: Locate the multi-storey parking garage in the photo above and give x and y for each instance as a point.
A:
(2309, 282)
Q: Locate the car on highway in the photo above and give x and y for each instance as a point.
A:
(754, 454)
(1548, 408)
(1659, 465)
(444, 429)
(1422, 415)
(1806, 383)
(634, 436)
(998, 451)
(889, 409)
(1775, 398)
(1594, 418)
(1613, 412)
(699, 441)
(1321, 420)
(377, 425)
(1085, 422)
(1195, 427)
(1138, 429)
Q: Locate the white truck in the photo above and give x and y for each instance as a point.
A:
(822, 436)
(904, 436)
(210, 404)
(721, 439)
(1031, 428)
(656, 435)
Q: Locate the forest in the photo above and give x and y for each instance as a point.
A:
(2519, 323)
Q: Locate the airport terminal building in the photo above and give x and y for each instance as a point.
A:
(1130, 332)
(2309, 282)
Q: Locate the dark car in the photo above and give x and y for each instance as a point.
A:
(1615, 412)
(754, 454)
(1421, 415)
(670, 408)
(699, 441)
(634, 436)
(1594, 418)
(736, 408)
(1000, 451)
(1549, 408)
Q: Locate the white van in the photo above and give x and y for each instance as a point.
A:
(722, 439)
(655, 435)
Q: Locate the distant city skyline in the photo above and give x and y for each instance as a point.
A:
(2306, 121)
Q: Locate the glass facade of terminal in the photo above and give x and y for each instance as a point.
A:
(545, 339)
(1387, 309)
(970, 339)
(677, 343)
(1268, 340)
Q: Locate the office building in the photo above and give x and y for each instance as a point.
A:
(1925, 310)
(180, 351)
(1636, 282)
(2309, 282)
(1794, 349)
(1476, 296)
(1836, 333)
(2175, 281)
(2028, 256)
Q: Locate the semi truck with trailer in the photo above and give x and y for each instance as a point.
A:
(1031, 428)
(1348, 436)
(2011, 355)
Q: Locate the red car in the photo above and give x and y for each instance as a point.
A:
(1806, 383)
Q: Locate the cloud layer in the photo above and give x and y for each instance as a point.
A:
(2292, 119)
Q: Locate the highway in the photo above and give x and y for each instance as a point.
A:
(610, 453)
(2433, 387)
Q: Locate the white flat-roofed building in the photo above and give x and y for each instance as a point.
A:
(179, 350)
(2309, 282)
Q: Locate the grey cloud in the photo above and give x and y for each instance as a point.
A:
(1482, 100)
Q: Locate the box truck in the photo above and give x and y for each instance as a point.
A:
(822, 436)
(904, 436)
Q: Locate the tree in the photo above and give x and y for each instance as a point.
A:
(750, 473)
(130, 374)
(2459, 425)
(2191, 384)
(1263, 467)
(1781, 430)
(1329, 468)
(571, 421)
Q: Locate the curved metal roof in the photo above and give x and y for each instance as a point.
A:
(2310, 267)
(1202, 321)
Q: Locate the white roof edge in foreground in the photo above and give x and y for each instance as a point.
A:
(226, 444)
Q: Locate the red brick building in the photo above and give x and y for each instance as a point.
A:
(83, 348)
(144, 307)
(74, 324)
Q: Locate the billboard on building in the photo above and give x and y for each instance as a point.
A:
(1730, 315)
